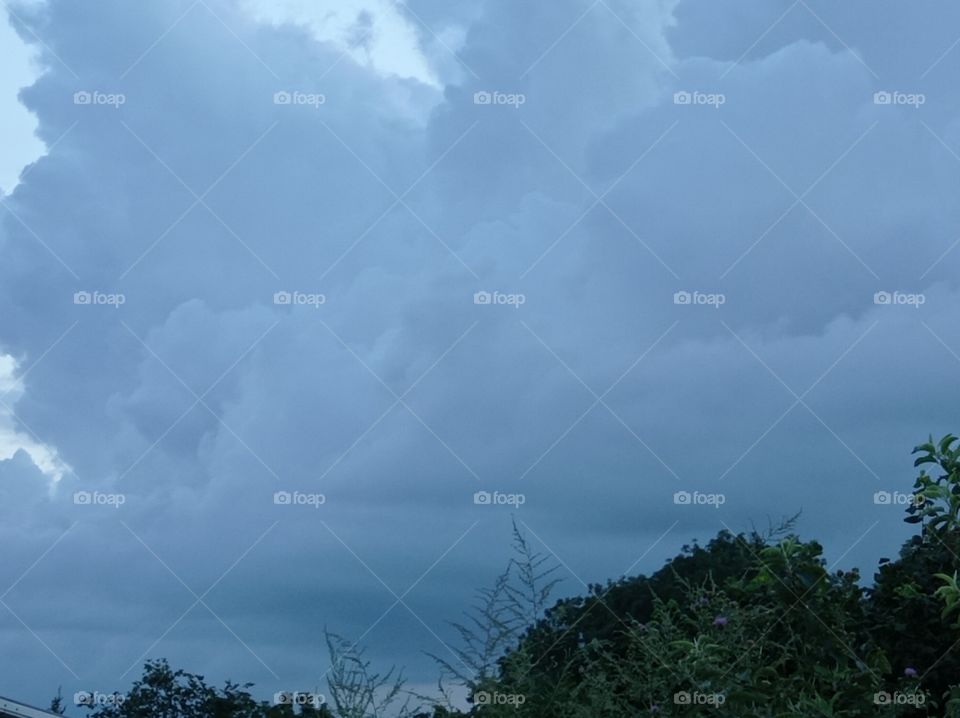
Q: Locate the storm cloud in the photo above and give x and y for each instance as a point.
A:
(290, 286)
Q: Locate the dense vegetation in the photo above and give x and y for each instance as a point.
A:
(748, 625)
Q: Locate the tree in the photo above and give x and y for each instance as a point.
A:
(164, 693)
(905, 612)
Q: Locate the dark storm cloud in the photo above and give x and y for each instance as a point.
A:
(773, 192)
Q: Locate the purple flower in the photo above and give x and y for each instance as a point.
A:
(910, 672)
(720, 621)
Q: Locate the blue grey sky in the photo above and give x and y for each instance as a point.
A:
(600, 258)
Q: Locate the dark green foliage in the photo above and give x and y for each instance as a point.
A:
(776, 636)
(760, 627)
(905, 614)
(165, 693)
(575, 622)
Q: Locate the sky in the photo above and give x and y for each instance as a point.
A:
(17, 125)
(290, 289)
